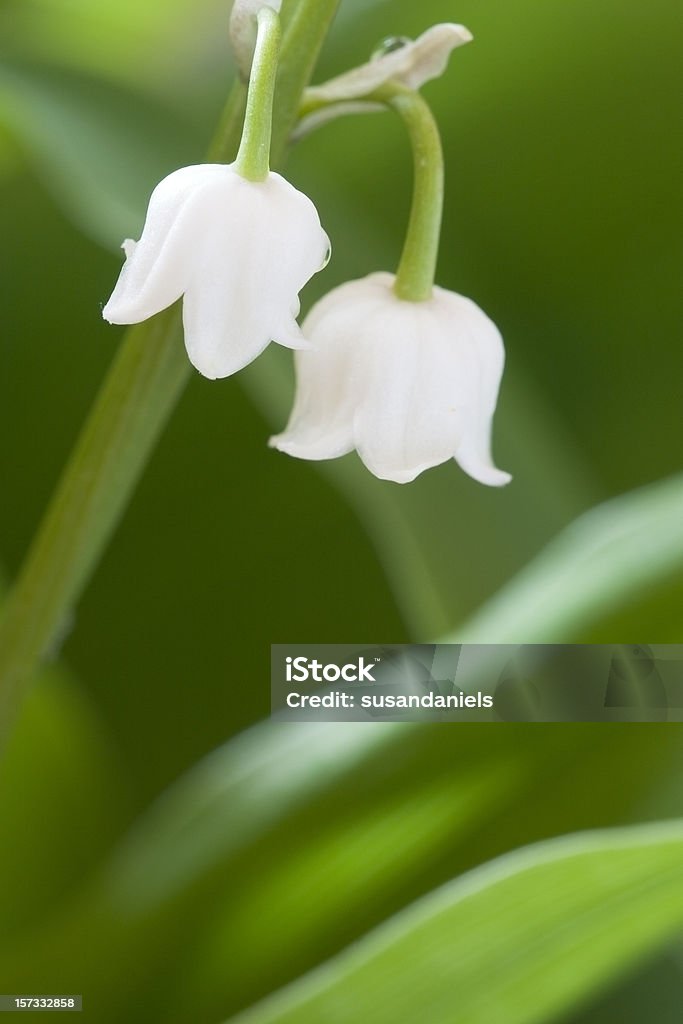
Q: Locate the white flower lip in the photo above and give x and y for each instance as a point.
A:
(408, 385)
(238, 252)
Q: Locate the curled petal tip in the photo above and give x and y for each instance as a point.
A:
(461, 33)
(483, 474)
(290, 335)
(498, 478)
(110, 314)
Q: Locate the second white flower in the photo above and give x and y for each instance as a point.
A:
(409, 385)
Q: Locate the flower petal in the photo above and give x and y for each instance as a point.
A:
(264, 244)
(408, 384)
(157, 268)
(413, 413)
(290, 335)
(476, 330)
(413, 64)
(320, 426)
(474, 456)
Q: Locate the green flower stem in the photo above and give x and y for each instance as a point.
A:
(253, 158)
(227, 135)
(416, 271)
(306, 28)
(141, 389)
(136, 400)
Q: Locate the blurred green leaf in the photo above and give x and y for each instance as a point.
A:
(63, 801)
(517, 942)
(128, 920)
(424, 809)
(100, 150)
(272, 805)
(606, 558)
(230, 800)
(371, 856)
(659, 981)
(122, 39)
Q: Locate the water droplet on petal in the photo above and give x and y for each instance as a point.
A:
(390, 45)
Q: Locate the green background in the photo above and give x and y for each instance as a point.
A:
(562, 128)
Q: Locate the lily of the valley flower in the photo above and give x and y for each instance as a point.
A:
(237, 242)
(409, 385)
(238, 251)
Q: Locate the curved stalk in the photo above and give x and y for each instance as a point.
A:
(416, 271)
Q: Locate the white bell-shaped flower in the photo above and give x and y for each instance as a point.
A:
(409, 385)
(238, 251)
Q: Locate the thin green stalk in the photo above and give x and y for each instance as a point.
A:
(227, 135)
(253, 158)
(134, 404)
(417, 268)
(305, 32)
(142, 386)
(416, 271)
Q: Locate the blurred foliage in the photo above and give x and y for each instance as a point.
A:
(175, 924)
(63, 793)
(562, 130)
(607, 558)
(469, 951)
(99, 149)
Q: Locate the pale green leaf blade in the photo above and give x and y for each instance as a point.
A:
(515, 942)
(231, 799)
(603, 560)
(375, 857)
(436, 810)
